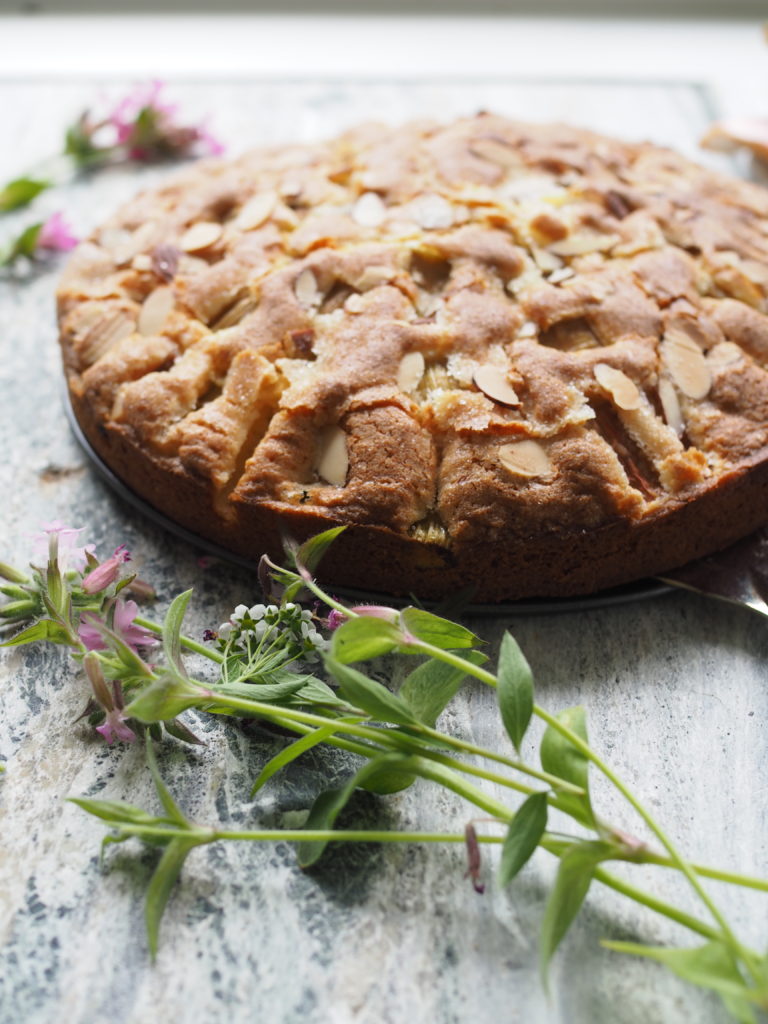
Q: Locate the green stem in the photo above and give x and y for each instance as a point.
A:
(552, 844)
(296, 835)
(207, 835)
(647, 900)
(188, 642)
(460, 786)
(746, 881)
(327, 599)
(388, 738)
(552, 780)
(366, 750)
(677, 858)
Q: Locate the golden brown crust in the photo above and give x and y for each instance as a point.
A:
(526, 360)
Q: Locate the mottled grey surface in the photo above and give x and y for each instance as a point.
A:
(675, 690)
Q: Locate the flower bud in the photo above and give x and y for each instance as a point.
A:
(101, 691)
(105, 574)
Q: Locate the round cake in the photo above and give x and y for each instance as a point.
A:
(514, 360)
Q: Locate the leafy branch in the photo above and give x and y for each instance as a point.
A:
(264, 664)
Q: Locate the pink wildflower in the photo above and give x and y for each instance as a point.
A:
(376, 611)
(146, 126)
(106, 573)
(69, 554)
(335, 619)
(142, 97)
(111, 703)
(131, 634)
(56, 235)
(114, 727)
(213, 145)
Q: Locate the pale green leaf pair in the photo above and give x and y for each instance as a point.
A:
(709, 966)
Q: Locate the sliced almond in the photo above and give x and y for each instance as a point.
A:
(545, 260)
(410, 371)
(200, 236)
(527, 281)
(372, 277)
(99, 329)
(495, 150)
(190, 265)
(355, 303)
(670, 405)
(306, 290)
(723, 354)
(332, 458)
(427, 304)
(236, 312)
(621, 388)
(580, 243)
(686, 363)
(527, 329)
(430, 530)
(369, 211)
(525, 458)
(756, 271)
(114, 238)
(492, 381)
(142, 262)
(533, 186)
(431, 211)
(734, 282)
(155, 311)
(561, 275)
(256, 211)
(290, 188)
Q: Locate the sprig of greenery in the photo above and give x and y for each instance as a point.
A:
(141, 127)
(259, 669)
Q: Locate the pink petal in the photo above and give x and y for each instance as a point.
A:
(56, 235)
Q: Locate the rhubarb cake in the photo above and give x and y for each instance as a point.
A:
(513, 359)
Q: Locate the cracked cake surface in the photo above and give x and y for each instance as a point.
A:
(521, 360)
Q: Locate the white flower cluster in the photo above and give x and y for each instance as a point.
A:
(293, 623)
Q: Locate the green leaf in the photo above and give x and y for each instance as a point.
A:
(296, 749)
(315, 692)
(166, 698)
(515, 690)
(370, 696)
(172, 633)
(311, 551)
(8, 572)
(130, 664)
(181, 731)
(172, 809)
(438, 632)
(574, 875)
(163, 880)
(391, 774)
(525, 832)
(265, 693)
(20, 192)
(45, 629)
(431, 686)
(329, 804)
(78, 145)
(114, 811)
(708, 966)
(559, 757)
(24, 244)
(363, 638)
